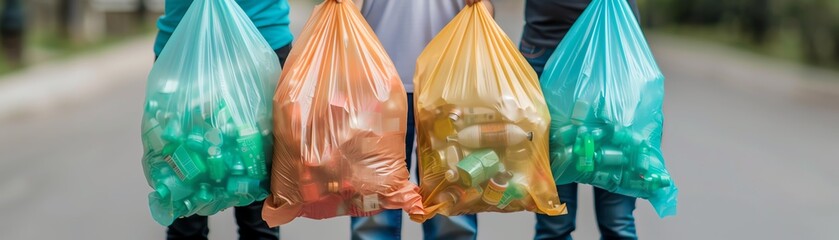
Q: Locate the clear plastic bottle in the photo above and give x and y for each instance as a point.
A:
(452, 157)
(491, 135)
(467, 116)
(153, 135)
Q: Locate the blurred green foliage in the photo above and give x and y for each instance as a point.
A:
(806, 30)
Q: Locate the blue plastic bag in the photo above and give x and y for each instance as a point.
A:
(605, 91)
(206, 128)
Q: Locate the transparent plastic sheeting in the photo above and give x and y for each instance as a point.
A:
(340, 116)
(482, 124)
(206, 129)
(605, 92)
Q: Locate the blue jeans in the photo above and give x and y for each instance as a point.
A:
(388, 224)
(614, 211)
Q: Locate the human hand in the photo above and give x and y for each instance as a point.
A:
(487, 3)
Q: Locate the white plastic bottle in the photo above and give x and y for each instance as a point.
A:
(491, 135)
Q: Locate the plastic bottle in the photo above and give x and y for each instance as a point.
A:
(648, 184)
(442, 127)
(246, 189)
(467, 116)
(454, 195)
(251, 151)
(496, 187)
(173, 131)
(215, 163)
(564, 136)
(625, 136)
(153, 135)
(609, 156)
(584, 150)
(478, 167)
(195, 139)
(453, 156)
(310, 188)
(517, 154)
(491, 135)
(213, 137)
(514, 191)
(581, 112)
(170, 187)
(187, 165)
(451, 195)
(605, 180)
(237, 167)
(204, 196)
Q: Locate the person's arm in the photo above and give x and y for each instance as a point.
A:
(488, 4)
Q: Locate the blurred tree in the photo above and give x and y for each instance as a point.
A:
(813, 18)
(12, 31)
(755, 19)
(68, 16)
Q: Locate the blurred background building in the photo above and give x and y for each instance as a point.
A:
(37, 30)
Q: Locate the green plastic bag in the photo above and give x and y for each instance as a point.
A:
(605, 91)
(206, 129)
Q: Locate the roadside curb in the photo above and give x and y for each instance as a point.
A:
(52, 85)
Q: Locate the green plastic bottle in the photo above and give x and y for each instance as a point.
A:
(251, 151)
(215, 163)
(584, 150)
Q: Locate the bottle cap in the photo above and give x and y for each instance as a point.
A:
(213, 137)
(455, 114)
(529, 136)
(503, 177)
(451, 175)
(161, 190)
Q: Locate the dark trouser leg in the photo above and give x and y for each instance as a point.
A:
(614, 215)
(251, 225)
(559, 227)
(189, 228)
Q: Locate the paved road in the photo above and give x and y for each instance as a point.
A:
(754, 158)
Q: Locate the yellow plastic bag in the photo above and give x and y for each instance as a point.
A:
(340, 117)
(482, 124)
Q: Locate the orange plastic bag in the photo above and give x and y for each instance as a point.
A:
(340, 117)
(482, 124)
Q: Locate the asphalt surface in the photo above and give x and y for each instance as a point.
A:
(754, 158)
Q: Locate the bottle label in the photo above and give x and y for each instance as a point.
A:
(184, 165)
(493, 134)
(370, 203)
(493, 193)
